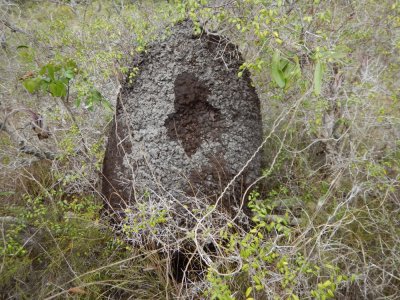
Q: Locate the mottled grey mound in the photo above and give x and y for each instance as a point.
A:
(186, 124)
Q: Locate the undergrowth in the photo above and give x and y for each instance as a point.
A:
(325, 213)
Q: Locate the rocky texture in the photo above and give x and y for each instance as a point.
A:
(185, 125)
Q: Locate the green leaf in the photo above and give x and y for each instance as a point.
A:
(43, 70)
(69, 74)
(57, 89)
(93, 97)
(318, 73)
(71, 64)
(330, 293)
(276, 71)
(327, 283)
(50, 71)
(329, 266)
(32, 84)
(313, 293)
(283, 64)
(64, 81)
(248, 291)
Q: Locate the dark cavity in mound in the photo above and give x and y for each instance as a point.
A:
(194, 118)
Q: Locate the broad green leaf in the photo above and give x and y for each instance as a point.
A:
(318, 73)
(290, 71)
(50, 71)
(44, 85)
(69, 74)
(276, 72)
(43, 70)
(32, 84)
(57, 89)
(283, 64)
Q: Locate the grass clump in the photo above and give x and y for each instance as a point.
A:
(55, 244)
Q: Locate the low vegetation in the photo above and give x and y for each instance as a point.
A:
(325, 212)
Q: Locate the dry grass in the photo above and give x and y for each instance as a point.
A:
(327, 213)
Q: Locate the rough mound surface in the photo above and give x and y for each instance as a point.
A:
(186, 124)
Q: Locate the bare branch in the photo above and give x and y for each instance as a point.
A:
(22, 144)
(13, 27)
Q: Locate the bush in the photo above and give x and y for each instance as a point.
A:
(325, 214)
